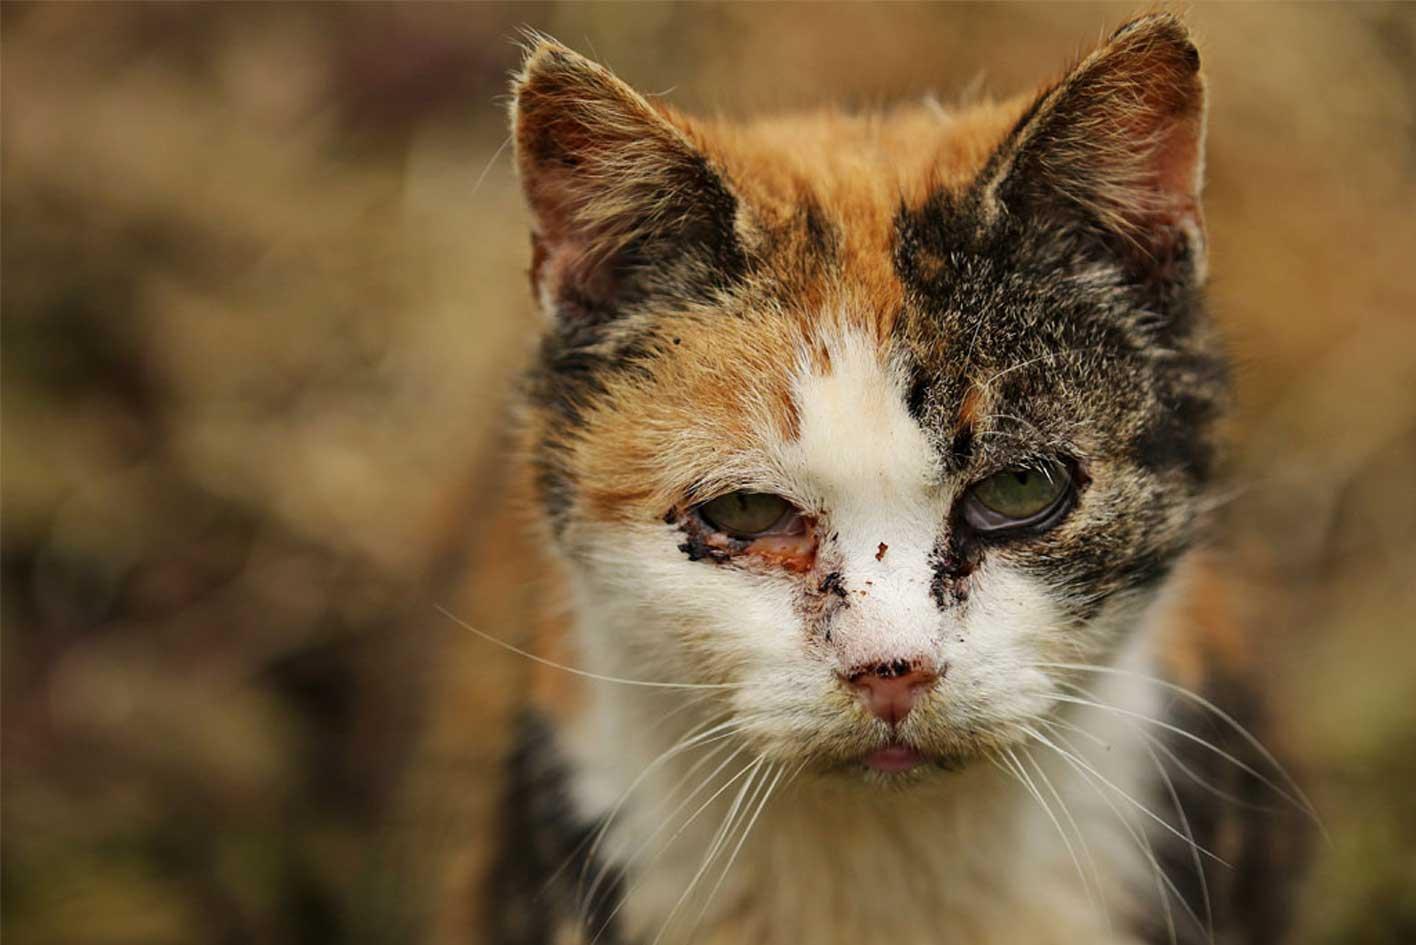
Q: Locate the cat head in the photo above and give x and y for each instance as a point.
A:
(870, 417)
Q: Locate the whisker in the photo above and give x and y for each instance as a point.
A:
(677, 833)
(476, 186)
(594, 837)
(588, 899)
(578, 672)
(1077, 831)
(718, 732)
(732, 857)
(1296, 801)
(713, 848)
(1143, 844)
(1194, 848)
(1298, 797)
(1132, 801)
(1026, 780)
(1074, 727)
(664, 822)
(684, 706)
(1203, 782)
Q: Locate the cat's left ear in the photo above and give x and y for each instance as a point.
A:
(625, 203)
(1117, 146)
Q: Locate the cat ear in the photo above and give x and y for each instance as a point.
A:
(1117, 145)
(624, 203)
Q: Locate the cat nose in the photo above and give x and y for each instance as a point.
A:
(890, 689)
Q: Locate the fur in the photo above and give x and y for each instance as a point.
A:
(865, 315)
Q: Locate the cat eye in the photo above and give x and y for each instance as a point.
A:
(752, 515)
(1020, 497)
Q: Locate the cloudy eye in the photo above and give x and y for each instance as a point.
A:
(751, 515)
(1021, 497)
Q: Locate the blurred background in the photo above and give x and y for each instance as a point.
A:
(264, 299)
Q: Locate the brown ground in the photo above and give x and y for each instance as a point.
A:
(263, 297)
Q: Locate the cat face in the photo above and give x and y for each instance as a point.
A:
(869, 419)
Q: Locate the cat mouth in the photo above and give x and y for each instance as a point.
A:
(900, 759)
(895, 758)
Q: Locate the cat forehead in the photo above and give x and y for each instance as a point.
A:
(823, 193)
(859, 166)
(855, 433)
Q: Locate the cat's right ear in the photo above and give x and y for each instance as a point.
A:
(1117, 146)
(624, 203)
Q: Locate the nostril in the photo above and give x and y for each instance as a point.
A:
(892, 670)
(890, 689)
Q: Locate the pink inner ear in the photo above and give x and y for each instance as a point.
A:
(1159, 106)
(1177, 165)
(1167, 125)
(602, 169)
(571, 261)
(1121, 136)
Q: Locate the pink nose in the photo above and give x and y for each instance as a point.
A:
(889, 690)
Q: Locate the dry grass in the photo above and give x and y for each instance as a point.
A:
(264, 295)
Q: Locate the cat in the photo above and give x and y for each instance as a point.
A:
(877, 455)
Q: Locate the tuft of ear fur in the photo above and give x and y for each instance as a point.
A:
(1120, 140)
(624, 202)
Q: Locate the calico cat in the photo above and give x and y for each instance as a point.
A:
(876, 453)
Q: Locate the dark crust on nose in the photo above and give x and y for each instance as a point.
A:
(886, 670)
(893, 669)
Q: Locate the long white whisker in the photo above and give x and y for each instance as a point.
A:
(589, 898)
(718, 732)
(713, 849)
(684, 706)
(578, 672)
(1094, 738)
(1199, 779)
(732, 857)
(1169, 752)
(1032, 788)
(677, 833)
(1299, 801)
(1131, 800)
(1194, 848)
(1302, 799)
(490, 162)
(1076, 830)
(1162, 881)
(593, 839)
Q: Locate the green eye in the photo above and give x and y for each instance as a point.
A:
(749, 514)
(1017, 497)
